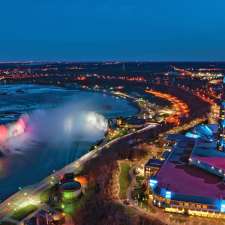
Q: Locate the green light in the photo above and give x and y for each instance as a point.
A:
(69, 208)
(68, 195)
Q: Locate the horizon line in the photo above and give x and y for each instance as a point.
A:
(109, 61)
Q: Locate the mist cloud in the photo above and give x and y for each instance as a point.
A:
(57, 128)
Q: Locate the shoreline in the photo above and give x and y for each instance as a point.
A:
(82, 158)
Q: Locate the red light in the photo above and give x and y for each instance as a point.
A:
(3, 133)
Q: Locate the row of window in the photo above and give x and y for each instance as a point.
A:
(186, 205)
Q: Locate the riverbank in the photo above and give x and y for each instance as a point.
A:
(15, 200)
(12, 161)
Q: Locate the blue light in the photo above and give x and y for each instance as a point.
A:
(223, 105)
(207, 130)
(222, 142)
(222, 206)
(203, 131)
(153, 183)
(168, 195)
(223, 123)
(192, 135)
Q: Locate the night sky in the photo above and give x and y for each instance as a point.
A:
(91, 30)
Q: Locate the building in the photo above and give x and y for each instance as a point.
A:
(152, 167)
(70, 191)
(58, 218)
(44, 217)
(191, 180)
(165, 155)
(83, 180)
(221, 132)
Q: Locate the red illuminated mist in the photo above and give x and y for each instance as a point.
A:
(13, 129)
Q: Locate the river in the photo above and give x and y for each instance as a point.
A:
(35, 162)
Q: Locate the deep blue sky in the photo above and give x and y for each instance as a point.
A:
(112, 29)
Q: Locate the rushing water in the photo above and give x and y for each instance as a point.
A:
(39, 160)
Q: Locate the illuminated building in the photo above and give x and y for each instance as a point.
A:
(70, 187)
(152, 167)
(221, 129)
(43, 217)
(120, 122)
(82, 180)
(70, 191)
(191, 178)
(58, 218)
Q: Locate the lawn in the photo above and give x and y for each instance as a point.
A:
(124, 179)
(44, 196)
(23, 212)
(73, 207)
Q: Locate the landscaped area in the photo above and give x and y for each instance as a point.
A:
(139, 193)
(124, 179)
(23, 212)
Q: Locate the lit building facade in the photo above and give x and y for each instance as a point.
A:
(190, 180)
(221, 128)
(152, 167)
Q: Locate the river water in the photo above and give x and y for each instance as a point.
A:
(39, 160)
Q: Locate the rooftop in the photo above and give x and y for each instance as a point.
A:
(208, 154)
(192, 183)
(154, 163)
(71, 186)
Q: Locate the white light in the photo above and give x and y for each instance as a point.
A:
(68, 124)
(153, 183)
(222, 207)
(168, 195)
(96, 121)
(29, 201)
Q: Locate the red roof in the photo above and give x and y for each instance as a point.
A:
(188, 180)
(217, 162)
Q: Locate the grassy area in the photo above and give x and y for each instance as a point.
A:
(44, 196)
(124, 179)
(140, 179)
(73, 207)
(23, 212)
